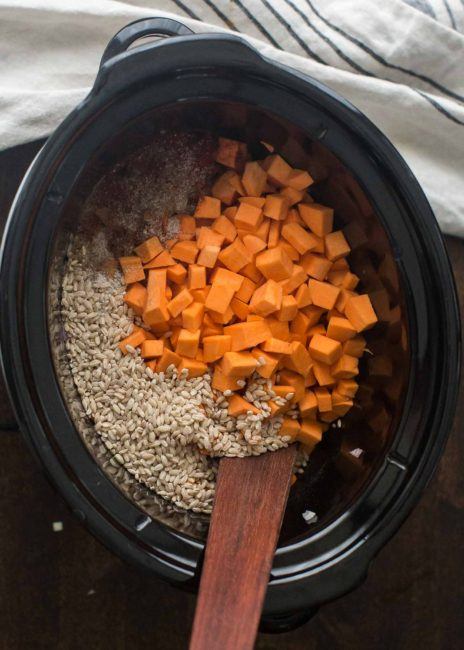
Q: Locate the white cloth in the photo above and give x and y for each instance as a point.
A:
(400, 62)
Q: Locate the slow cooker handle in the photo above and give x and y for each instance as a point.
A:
(142, 28)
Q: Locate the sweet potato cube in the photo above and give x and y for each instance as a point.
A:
(248, 217)
(223, 190)
(294, 217)
(310, 433)
(246, 290)
(187, 343)
(224, 277)
(185, 251)
(231, 153)
(176, 273)
(313, 314)
(316, 266)
(254, 244)
(322, 374)
(168, 358)
(276, 346)
(235, 256)
(274, 264)
(340, 329)
(290, 250)
(263, 231)
(340, 265)
(303, 296)
(230, 212)
(267, 298)
(238, 364)
(276, 207)
(208, 256)
(180, 302)
(300, 324)
(151, 364)
(156, 311)
(355, 347)
(290, 428)
(247, 335)
(347, 387)
(324, 400)
(226, 228)
(219, 297)
(136, 338)
(160, 261)
(323, 294)
(196, 277)
(257, 201)
(295, 280)
(277, 169)
(288, 309)
(345, 368)
(222, 318)
(290, 378)
(208, 237)
(325, 349)
(221, 382)
(342, 300)
(214, 347)
(299, 179)
(277, 409)
(279, 329)
(192, 316)
(291, 195)
(136, 297)
(336, 246)
(149, 249)
(341, 404)
(241, 309)
(350, 281)
(298, 237)
(298, 359)
(317, 329)
(319, 218)
(308, 405)
(132, 269)
(267, 362)
(187, 224)
(195, 367)
(240, 406)
(360, 312)
(151, 349)
(208, 207)
(251, 272)
(274, 234)
(254, 179)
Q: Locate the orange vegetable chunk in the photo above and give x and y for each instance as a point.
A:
(149, 249)
(274, 264)
(288, 309)
(297, 278)
(274, 234)
(208, 256)
(207, 237)
(299, 179)
(289, 428)
(324, 349)
(323, 294)
(347, 387)
(257, 201)
(254, 179)
(308, 405)
(219, 297)
(290, 378)
(161, 260)
(214, 347)
(156, 311)
(254, 243)
(267, 362)
(291, 195)
(355, 347)
(167, 359)
(298, 237)
(180, 302)
(324, 400)
(277, 169)
(276, 207)
(176, 273)
(246, 290)
(195, 367)
(341, 404)
(223, 190)
(248, 217)
(267, 298)
(132, 269)
(151, 349)
(360, 312)
(322, 373)
(136, 338)
(247, 335)
(196, 277)
(317, 266)
(208, 207)
(318, 218)
(226, 228)
(303, 296)
(231, 153)
(345, 368)
(235, 256)
(276, 346)
(251, 272)
(136, 297)
(187, 343)
(290, 250)
(336, 246)
(192, 316)
(240, 308)
(187, 224)
(240, 406)
(224, 277)
(238, 364)
(263, 231)
(185, 251)
(299, 359)
(340, 329)
(310, 433)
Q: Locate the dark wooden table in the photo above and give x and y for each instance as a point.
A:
(64, 590)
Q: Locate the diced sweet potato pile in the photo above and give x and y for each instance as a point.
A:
(256, 281)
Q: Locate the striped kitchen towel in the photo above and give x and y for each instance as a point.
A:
(401, 62)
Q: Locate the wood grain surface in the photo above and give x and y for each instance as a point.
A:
(65, 591)
(251, 495)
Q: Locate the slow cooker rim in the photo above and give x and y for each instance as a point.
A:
(444, 269)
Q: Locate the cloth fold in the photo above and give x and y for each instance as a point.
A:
(400, 62)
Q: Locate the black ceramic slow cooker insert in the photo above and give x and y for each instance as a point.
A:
(219, 84)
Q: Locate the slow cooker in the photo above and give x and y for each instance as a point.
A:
(365, 477)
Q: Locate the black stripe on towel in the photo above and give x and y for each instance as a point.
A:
(258, 25)
(450, 14)
(186, 10)
(440, 108)
(212, 5)
(292, 33)
(380, 59)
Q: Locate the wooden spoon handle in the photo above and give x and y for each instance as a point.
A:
(251, 494)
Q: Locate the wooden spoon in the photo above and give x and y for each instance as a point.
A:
(251, 495)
